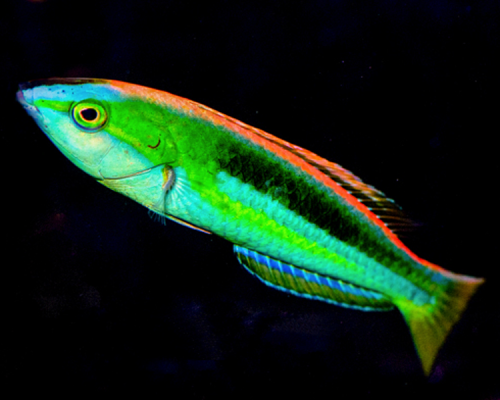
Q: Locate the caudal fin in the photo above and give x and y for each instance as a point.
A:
(430, 324)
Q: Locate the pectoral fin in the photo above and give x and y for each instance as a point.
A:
(182, 222)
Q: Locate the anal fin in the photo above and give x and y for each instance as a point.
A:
(308, 284)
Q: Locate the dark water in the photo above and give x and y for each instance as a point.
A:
(101, 299)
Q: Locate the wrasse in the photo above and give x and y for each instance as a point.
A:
(298, 222)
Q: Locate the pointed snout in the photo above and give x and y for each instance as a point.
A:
(25, 97)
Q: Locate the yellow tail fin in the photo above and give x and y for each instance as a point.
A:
(430, 324)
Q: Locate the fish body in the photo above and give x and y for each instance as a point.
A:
(298, 222)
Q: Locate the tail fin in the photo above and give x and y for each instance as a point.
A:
(430, 324)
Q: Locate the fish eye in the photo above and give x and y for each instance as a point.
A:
(89, 115)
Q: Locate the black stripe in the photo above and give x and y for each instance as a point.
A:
(295, 190)
(58, 81)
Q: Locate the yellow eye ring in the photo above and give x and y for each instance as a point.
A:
(89, 115)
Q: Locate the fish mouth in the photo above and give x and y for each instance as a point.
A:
(25, 97)
(21, 99)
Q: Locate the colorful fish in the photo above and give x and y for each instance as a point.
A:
(298, 222)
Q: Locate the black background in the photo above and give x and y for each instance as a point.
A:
(101, 299)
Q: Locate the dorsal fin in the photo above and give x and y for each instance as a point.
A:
(384, 208)
(376, 201)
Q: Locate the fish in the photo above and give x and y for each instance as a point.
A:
(298, 222)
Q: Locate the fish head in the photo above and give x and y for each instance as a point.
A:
(109, 129)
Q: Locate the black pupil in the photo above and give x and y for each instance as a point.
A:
(89, 114)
